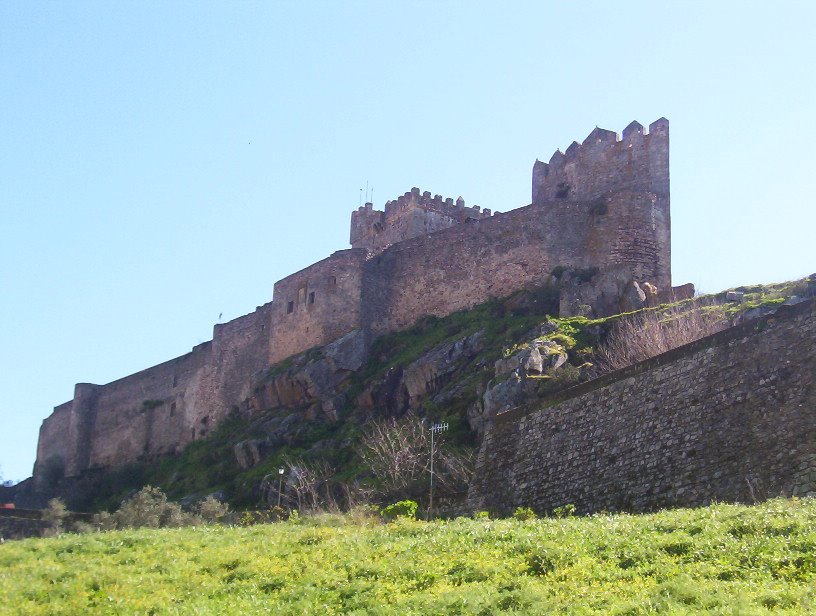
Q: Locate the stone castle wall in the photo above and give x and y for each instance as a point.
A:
(730, 417)
(410, 215)
(421, 255)
(317, 305)
(603, 163)
(158, 410)
(467, 264)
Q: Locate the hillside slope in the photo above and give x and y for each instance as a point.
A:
(314, 408)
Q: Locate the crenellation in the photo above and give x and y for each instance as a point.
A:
(557, 159)
(634, 129)
(600, 135)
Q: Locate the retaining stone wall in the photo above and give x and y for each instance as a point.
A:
(731, 417)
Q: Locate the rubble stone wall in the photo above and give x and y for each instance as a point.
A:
(731, 417)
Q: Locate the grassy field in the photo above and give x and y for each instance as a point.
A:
(722, 559)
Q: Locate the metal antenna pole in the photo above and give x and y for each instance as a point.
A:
(430, 500)
(434, 429)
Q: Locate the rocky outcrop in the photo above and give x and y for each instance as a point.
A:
(613, 290)
(538, 364)
(404, 389)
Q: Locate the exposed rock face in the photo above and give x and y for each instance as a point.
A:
(403, 389)
(249, 453)
(609, 291)
(518, 378)
(633, 298)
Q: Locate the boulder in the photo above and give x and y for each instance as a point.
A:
(248, 453)
(633, 297)
(347, 352)
(535, 362)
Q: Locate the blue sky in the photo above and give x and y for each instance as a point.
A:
(162, 163)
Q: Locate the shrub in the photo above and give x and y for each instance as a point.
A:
(147, 508)
(481, 515)
(402, 509)
(523, 514)
(211, 510)
(54, 515)
(564, 511)
(646, 334)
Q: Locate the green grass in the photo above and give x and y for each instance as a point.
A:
(723, 559)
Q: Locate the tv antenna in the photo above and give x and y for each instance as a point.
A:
(434, 429)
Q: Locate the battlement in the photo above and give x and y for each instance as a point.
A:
(447, 206)
(409, 215)
(605, 162)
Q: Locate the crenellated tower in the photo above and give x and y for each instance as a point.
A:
(630, 171)
(605, 163)
(410, 215)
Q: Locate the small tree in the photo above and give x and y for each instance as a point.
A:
(397, 451)
(311, 486)
(212, 511)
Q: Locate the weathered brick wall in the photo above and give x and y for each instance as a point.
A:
(317, 305)
(731, 417)
(20, 524)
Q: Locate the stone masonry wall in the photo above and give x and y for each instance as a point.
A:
(158, 410)
(410, 215)
(317, 305)
(730, 417)
(467, 264)
(602, 163)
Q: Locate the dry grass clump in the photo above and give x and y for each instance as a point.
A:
(650, 333)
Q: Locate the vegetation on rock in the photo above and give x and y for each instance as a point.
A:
(458, 369)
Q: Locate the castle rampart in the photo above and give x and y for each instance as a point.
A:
(465, 265)
(603, 163)
(421, 255)
(317, 304)
(729, 417)
(410, 215)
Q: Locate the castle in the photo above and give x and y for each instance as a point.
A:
(601, 206)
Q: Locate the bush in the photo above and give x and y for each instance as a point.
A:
(564, 511)
(523, 514)
(54, 515)
(402, 509)
(212, 511)
(650, 333)
(148, 508)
